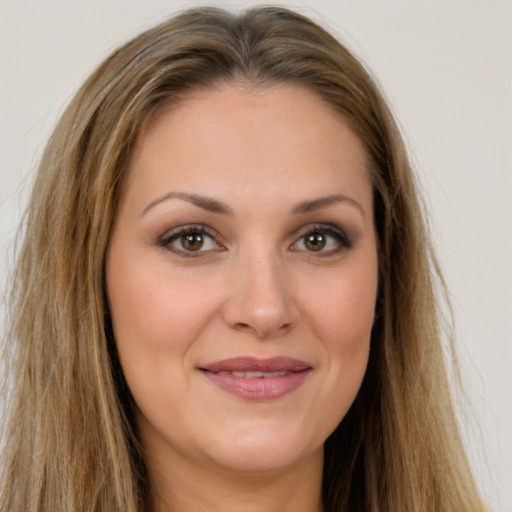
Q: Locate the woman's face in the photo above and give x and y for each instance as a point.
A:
(242, 278)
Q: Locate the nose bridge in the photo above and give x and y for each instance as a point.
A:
(261, 296)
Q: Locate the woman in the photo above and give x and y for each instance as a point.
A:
(226, 297)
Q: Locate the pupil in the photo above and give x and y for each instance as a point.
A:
(192, 242)
(315, 241)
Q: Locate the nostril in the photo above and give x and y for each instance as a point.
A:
(242, 327)
(262, 331)
(261, 306)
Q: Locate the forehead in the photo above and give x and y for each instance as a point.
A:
(241, 104)
(258, 139)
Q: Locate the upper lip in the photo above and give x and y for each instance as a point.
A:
(254, 364)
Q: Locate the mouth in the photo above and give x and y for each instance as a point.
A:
(255, 374)
(257, 379)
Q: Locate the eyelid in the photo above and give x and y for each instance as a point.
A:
(173, 234)
(342, 239)
(187, 228)
(327, 228)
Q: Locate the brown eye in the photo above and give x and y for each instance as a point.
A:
(315, 241)
(192, 241)
(325, 240)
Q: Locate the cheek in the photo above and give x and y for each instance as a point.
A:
(157, 319)
(345, 307)
(151, 306)
(157, 316)
(343, 318)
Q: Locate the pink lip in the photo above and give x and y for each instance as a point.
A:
(257, 388)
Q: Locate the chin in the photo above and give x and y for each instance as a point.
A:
(258, 448)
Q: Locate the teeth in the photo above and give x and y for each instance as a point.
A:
(275, 374)
(248, 375)
(256, 375)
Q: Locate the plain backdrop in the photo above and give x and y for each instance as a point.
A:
(446, 67)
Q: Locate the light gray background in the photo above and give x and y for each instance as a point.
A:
(446, 67)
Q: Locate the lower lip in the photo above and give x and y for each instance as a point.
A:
(259, 388)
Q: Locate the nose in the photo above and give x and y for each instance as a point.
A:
(261, 298)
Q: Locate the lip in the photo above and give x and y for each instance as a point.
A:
(291, 373)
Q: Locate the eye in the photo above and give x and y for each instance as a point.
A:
(322, 239)
(187, 240)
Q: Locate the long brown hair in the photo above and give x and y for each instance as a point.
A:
(68, 438)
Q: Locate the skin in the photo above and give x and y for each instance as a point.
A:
(254, 288)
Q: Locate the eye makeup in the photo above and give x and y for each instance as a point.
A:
(191, 240)
(315, 240)
(323, 239)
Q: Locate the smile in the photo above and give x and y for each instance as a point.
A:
(256, 375)
(257, 379)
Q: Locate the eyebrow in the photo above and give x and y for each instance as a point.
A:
(206, 203)
(216, 206)
(324, 202)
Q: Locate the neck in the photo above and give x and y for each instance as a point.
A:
(186, 488)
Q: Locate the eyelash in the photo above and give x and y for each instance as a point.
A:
(182, 231)
(343, 242)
